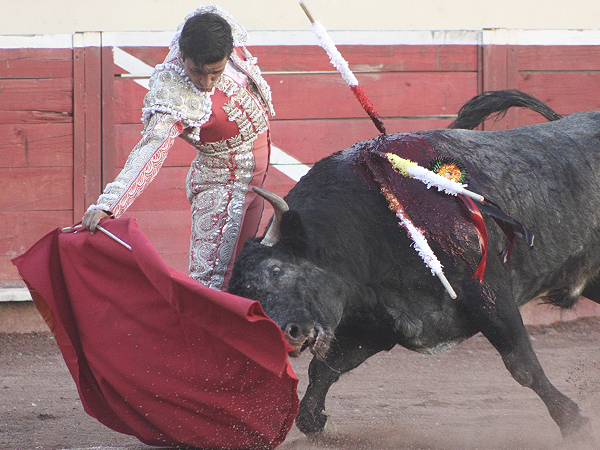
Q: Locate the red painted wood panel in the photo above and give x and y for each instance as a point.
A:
(21, 229)
(310, 140)
(500, 71)
(36, 149)
(9, 276)
(129, 100)
(27, 98)
(36, 189)
(565, 92)
(379, 58)
(280, 184)
(372, 58)
(36, 145)
(87, 131)
(326, 96)
(33, 116)
(108, 117)
(559, 57)
(36, 63)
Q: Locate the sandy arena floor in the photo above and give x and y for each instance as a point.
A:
(462, 399)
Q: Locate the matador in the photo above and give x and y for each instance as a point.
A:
(228, 126)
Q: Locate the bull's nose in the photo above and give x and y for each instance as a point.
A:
(294, 331)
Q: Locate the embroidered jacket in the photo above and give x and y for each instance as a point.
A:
(219, 123)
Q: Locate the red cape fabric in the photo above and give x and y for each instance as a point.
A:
(155, 354)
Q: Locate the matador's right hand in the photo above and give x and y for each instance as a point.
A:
(92, 217)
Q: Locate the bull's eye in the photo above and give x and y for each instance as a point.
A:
(275, 271)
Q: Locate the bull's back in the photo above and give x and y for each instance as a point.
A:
(547, 177)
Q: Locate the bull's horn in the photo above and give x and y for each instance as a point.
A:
(280, 206)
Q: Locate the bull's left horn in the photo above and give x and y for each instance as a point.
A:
(279, 206)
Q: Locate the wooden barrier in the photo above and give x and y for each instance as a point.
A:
(70, 109)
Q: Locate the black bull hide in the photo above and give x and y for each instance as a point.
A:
(343, 279)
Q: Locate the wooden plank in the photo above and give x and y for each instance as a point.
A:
(565, 92)
(278, 183)
(51, 96)
(36, 63)
(79, 199)
(93, 124)
(41, 189)
(511, 117)
(500, 68)
(87, 160)
(370, 58)
(29, 116)
(9, 275)
(325, 96)
(21, 229)
(36, 145)
(129, 100)
(311, 140)
(494, 67)
(108, 117)
(559, 58)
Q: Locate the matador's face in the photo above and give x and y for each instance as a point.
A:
(204, 77)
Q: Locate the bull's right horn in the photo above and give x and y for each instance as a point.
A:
(279, 206)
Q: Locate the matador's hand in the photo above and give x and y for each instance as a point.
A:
(92, 217)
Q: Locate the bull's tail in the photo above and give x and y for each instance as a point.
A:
(494, 104)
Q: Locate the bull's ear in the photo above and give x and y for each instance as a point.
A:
(293, 233)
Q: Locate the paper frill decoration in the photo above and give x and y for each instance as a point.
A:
(420, 241)
(411, 169)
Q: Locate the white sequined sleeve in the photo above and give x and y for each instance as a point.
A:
(143, 163)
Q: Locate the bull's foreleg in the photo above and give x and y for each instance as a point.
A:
(501, 323)
(343, 356)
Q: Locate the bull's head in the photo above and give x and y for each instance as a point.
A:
(305, 300)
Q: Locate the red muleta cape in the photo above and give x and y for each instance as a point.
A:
(155, 354)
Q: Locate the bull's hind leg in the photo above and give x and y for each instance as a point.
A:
(500, 322)
(343, 356)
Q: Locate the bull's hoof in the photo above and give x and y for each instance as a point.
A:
(311, 424)
(580, 436)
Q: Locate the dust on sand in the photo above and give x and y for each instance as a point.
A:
(463, 398)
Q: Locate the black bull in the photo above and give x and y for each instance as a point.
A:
(340, 277)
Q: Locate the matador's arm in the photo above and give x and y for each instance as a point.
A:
(142, 165)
